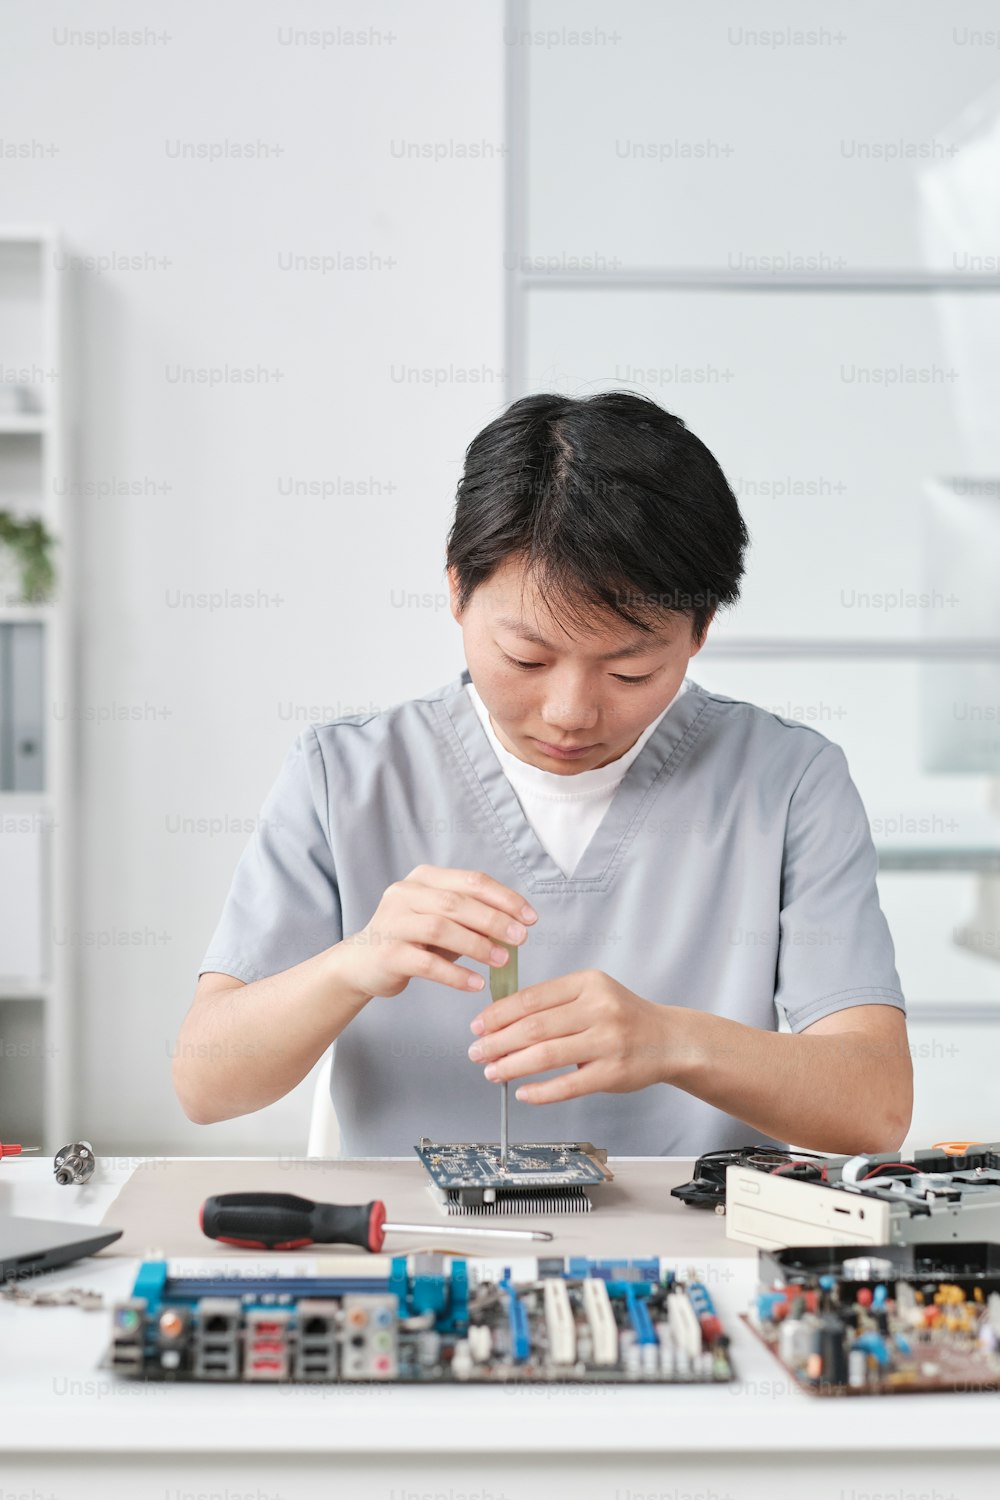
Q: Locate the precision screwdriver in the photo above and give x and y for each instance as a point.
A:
(503, 982)
(13, 1150)
(282, 1221)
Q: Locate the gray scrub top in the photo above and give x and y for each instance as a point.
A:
(733, 871)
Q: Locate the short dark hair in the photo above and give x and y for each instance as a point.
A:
(616, 507)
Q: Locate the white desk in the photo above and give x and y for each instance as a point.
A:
(72, 1431)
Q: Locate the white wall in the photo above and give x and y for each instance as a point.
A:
(205, 692)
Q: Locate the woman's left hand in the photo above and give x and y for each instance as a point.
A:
(615, 1040)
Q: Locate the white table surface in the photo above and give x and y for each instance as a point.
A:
(56, 1402)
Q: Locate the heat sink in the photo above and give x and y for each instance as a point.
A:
(524, 1201)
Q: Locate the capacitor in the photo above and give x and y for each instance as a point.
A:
(826, 1360)
(771, 1307)
(667, 1350)
(428, 1347)
(793, 1342)
(480, 1342)
(874, 1344)
(857, 1369)
(993, 1309)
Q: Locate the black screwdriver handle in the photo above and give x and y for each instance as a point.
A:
(281, 1221)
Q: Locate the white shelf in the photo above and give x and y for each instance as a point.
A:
(28, 234)
(33, 285)
(24, 989)
(24, 421)
(26, 614)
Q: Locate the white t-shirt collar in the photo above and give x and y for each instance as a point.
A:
(579, 786)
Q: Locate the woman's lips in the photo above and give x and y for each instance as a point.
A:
(562, 754)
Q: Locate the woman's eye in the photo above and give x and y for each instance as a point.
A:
(532, 666)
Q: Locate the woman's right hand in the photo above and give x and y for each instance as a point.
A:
(429, 920)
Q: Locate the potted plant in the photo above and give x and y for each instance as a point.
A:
(27, 572)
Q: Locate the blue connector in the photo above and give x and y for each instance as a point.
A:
(520, 1338)
(151, 1282)
(639, 1315)
(700, 1300)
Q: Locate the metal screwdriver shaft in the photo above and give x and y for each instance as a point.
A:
(503, 982)
(504, 1126)
(473, 1229)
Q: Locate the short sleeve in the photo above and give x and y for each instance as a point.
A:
(834, 948)
(283, 904)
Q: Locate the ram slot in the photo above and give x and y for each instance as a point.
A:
(601, 1318)
(559, 1322)
(684, 1325)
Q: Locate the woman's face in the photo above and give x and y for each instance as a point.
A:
(589, 694)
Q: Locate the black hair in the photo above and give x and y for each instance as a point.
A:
(615, 506)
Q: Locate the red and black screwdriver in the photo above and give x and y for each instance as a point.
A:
(282, 1221)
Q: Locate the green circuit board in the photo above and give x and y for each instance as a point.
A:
(532, 1165)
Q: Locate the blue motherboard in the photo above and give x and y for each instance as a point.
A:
(425, 1318)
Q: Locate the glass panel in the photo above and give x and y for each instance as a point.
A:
(932, 921)
(790, 133)
(22, 1067)
(829, 413)
(22, 360)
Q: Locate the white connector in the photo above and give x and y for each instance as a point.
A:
(600, 1316)
(559, 1322)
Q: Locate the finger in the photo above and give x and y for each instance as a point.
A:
(421, 963)
(541, 1026)
(479, 886)
(583, 1080)
(436, 931)
(530, 1000)
(561, 1052)
(492, 925)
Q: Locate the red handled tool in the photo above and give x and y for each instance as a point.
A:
(282, 1221)
(14, 1150)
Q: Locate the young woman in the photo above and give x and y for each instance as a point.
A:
(674, 865)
